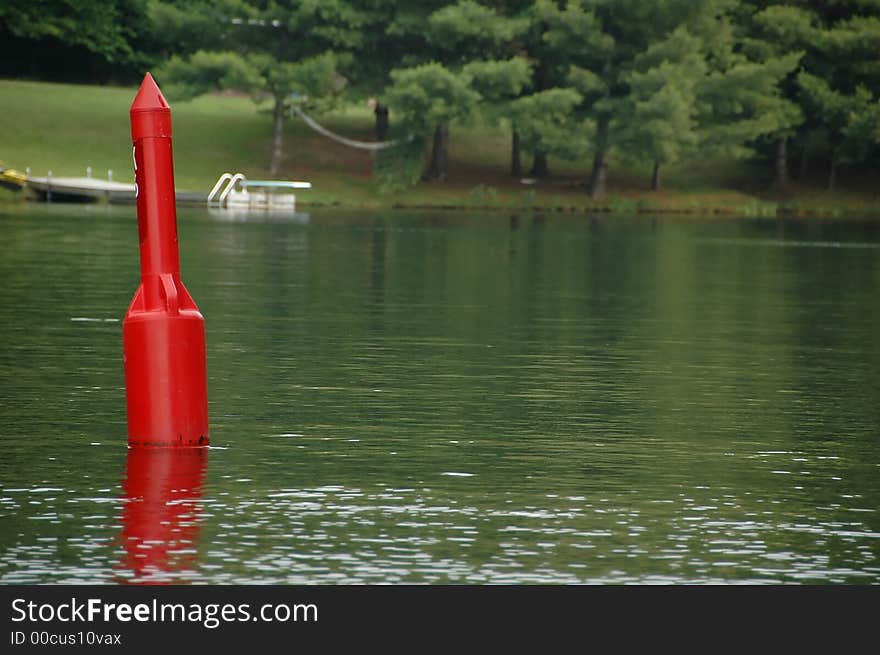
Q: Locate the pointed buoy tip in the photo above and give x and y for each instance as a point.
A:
(149, 97)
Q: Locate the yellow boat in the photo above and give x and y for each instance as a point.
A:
(12, 179)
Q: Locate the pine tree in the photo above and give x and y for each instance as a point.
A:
(658, 121)
(840, 82)
(545, 123)
(469, 33)
(741, 101)
(602, 44)
(426, 99)
(463, 58)
(835, 89)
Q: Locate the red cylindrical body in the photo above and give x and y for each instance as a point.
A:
(163, 334)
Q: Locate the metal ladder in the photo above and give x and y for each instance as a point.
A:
(254, 194)
(224, 186)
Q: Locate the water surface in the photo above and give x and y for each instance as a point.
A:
(452, 398)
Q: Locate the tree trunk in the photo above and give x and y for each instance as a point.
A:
(277, 138)
(597, 177)
(381, 112)
(655, 177)
(438, 167)
(781, 181)
(805, 162)
(832, 175)
(539, 166)
(515, 160)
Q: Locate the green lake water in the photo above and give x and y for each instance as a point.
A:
(445, 398)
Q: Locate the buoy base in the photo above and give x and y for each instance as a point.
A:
(165, 377)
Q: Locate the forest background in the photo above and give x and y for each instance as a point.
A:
(578, 104)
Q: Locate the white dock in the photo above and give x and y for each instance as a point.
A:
(90, 188)
(82, 187)
(233, 191)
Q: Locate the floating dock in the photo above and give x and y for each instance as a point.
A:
(84, 189)
(233, 191)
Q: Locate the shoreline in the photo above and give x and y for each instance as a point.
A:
(84, 126)
(612, 207)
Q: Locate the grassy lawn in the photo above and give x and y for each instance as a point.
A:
(65, 128)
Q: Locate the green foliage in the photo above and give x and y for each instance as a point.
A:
(311, 77)
(483, 195)
(585, 81)
(649, 82)
(757, 208)
(659, 121)
(264, 58)
(326, 23)
(470, 26)
(575, 30)
(528, 198)
(780, 26)
(185, 78)
(496, 80)
(639, 71)
(202, 72)
(854, 38)
(835, 89)
(183, 28)
(853, 118)
(427, 95)
(102, 27)
(88, 125)
(662, 123)
(423, 97)
(741, 103)
(400, 167)
(620, 205)
(546, 123)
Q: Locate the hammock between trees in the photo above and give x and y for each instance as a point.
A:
(363, 145)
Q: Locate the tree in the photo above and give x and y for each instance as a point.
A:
(769, 32)
(285, 82)
(392, 37)
(499, 83)
(853, 120)
(75, 39)
(661, 103)
(288, 52)
(465, 32)
(547, 75)
(840, 83)
(741, 101)
(437, 42)
(182, 27)
(427, 98)
(656, 90)
(97, 26)
(837, 83)
(544, 120)
(601, 43)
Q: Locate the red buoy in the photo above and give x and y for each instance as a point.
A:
(163, 334)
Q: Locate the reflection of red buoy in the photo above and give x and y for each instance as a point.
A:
(163, 334)
(160, 519)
